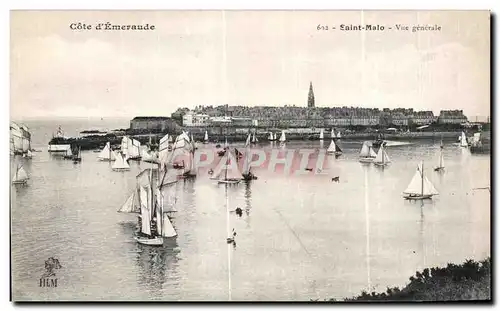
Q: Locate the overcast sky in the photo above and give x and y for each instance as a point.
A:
(245, 58)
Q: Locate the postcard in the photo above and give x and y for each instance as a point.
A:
(255, 156)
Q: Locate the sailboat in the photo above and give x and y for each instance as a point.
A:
(149, 156)
(420, 187)
(69, 153)
(334, 149)
(321, 135)
(338, 135)
(130, 148)
(78, 156)
(382, 159)
(154, 223)
(271, 137)
(163, 149)
(120, 164)
(332, 134)
(366, 155)
(254, 139)
(28, 154)
(107, 154)
(205, 139)
(247, 174)
(463, 140)
(20, 177)
(228, 174)
(190, 167)
(440, 166)
(282, 137)
(249, 140)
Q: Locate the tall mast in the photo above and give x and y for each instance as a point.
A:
(422, 176)
(227, 163)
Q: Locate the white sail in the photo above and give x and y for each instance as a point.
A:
(148, 156)
(415, 186)
(107, 154)
(206, 137)
(365, 150)
(331, 148)
(167, 177)
(270, 136)
(229, 171)
(275, 136)
(134, 148)
(372, 153)
(120, 163)
(420, 185)
(26, 144)
(168, 196)
(283, 137)
(429, 187)
(477, 138)
(254, 139)
(332, 134)
(124, 145)
(247, 142)
(145, 212)
(168, 230)
(20, 175)
(29, 154)
(159, 214)
(386, 157)
(190, 166)
(68, 152)
(163, 143)
(163, 156)
(321, 134)
(463, 140)
(131, 205)
(338, 135)
(248, 159)
(381, 155)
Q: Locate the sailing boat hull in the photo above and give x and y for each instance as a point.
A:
(418, 197)
(135, 158)
(20, 182)
(337, 153)
(439, 169)
(229, 181)
(121, 169)
(380, 164)
(366, 160)
(156, 241)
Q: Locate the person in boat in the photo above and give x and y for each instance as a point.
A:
(239, 212)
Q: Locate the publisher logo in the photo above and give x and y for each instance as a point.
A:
(49, 279)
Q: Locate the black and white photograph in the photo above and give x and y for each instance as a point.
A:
(250, 155)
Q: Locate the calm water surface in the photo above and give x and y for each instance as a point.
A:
(299, 238)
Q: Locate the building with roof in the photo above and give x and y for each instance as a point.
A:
(161, 124)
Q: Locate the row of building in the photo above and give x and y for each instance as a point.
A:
(294, 117)
(314, 116)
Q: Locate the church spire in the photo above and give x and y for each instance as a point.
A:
(310, 98)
